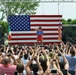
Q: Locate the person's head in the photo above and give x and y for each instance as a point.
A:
(5, 61)
(43, 64)
(51, 55)
(9, 51)
(26, 56)
(72, 52)
(40, 27)
(20, 68)
(35, 68)
(3, 55)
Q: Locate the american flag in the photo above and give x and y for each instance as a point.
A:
(22, 28)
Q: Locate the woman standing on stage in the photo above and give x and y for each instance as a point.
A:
(39, 34)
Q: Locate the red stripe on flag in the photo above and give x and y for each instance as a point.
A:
(34, 34)
(31, 43)
(33, 38)
(46, 25)
(46, 16)
(48, 29)
(46, 20)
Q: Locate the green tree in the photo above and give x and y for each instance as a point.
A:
(64, 21)
(18, 7)
(74, 21)
(4, 27)
(69, 21)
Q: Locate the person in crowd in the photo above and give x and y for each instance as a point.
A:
(6, 67)
(25, 58)
(52, 59)
(34, 68)
(71, 57)
(20, 69)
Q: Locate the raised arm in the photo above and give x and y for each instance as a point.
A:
(66, 62)
(27, 67)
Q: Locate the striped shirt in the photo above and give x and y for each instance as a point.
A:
(8, 70)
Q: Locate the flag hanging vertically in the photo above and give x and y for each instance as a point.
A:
(22, 28)
(60, 33)
(9, 33)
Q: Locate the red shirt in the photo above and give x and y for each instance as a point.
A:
(8, 70)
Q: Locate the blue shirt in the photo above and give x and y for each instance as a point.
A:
(72, 62)
(39, 32)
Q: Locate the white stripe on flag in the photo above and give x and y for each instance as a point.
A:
(45, 18)
(34, 36)
(45, 23)
(21, 32)
(34, 41)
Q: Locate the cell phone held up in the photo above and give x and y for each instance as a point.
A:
(53, 71)
(59, 54)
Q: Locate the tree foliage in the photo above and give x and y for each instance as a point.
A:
(18, 7)
(4, 27)
(73, 21)
(64, 21)
(68, 21)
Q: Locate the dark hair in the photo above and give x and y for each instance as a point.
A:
(20, 67)
(9, 51)
(25, 56)
(72, 52)
(45, 47)
(35, 68)
(20, 48)
(2, 50)
(43, 64)
(61, 64)
(40, 27)
(35, 73)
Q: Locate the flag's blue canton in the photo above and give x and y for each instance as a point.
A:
(19, 22)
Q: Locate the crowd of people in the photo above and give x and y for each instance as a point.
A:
(52, 59)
